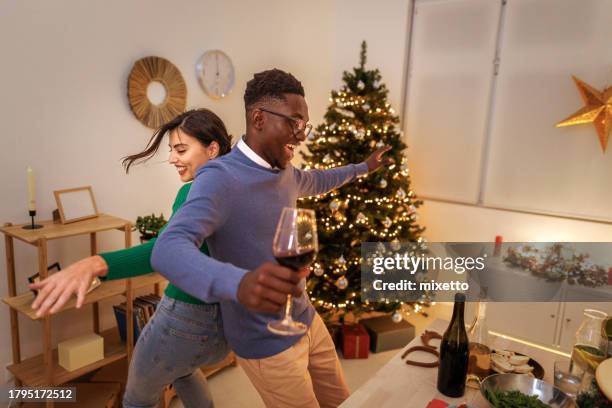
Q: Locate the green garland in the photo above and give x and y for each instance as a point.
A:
(557, 263)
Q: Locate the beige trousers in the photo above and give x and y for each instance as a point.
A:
(306, 375)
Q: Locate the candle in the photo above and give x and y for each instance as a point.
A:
(31, 190)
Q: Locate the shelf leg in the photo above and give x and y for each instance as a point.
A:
(12, 289)
(47, 346)
(130, 318)
(96, 318)
(127, 229)
(48, 355)
(128, 234)
(93, 245)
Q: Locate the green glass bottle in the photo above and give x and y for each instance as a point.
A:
(454, 353)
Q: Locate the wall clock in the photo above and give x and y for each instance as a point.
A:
(215, 73)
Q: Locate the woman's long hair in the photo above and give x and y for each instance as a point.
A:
(202, 124)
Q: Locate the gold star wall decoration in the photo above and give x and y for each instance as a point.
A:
(597, 110)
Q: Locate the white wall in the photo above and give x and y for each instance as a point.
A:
(464, 223)
(383, 26)
(64, 110)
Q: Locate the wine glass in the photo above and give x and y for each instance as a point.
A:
(295, 246)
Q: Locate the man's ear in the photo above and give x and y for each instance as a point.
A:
(257, 119)
(213, 150)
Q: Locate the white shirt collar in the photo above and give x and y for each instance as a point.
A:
(244, 148)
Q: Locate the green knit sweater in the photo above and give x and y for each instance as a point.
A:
(135, 261)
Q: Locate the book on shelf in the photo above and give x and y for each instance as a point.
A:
(143, 310)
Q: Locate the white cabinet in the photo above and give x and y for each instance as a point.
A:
(531, 321)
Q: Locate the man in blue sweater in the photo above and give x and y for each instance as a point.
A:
(234, 204)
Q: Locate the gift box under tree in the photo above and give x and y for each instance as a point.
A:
(385, 334)
(355, 341)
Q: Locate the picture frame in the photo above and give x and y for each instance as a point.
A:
(36, 277)
(57, 267)
(75, 204)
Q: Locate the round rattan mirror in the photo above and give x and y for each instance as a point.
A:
(151, 70)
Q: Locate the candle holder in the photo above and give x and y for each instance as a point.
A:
(33, 225)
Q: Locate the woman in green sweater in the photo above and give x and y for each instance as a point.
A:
(184, 333)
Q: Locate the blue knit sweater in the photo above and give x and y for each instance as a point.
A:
(234, 204)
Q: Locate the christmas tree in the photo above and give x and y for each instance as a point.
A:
(380, 207)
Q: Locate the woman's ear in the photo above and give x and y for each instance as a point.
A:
(213, 150)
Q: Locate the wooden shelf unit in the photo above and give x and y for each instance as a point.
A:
(43, 370)
(31, 371)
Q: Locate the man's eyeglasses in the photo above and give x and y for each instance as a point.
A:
(299, 125)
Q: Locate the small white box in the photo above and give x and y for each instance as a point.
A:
(80, 351)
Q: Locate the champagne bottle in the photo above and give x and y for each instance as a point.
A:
(454, 353)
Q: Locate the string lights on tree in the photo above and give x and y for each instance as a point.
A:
(380, 207)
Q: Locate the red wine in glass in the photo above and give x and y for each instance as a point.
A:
(295, 246)
(296, 260)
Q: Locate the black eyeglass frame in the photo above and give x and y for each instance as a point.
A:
(296, 122)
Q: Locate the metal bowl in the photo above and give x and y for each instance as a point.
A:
(528, 385)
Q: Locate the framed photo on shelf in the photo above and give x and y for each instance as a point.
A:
(56, 267)
(75, 204)
(36, 277)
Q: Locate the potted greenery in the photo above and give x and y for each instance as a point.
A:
(149, 226)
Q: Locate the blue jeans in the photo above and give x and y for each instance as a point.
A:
(179, 339)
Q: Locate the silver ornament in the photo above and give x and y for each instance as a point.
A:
(341, 261)
(342, 282)
(360, 85)
(360, 134)
(334, 205)
(380, 144)
(383, 183)
(396, 317)
(401, 194)
(326, 158)
(318, 271)
(395, 244)
(361, 217)
(366, 106)
(349, 113)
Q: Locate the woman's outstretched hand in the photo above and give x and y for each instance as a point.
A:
(56, 290)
